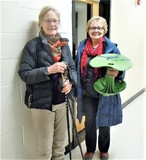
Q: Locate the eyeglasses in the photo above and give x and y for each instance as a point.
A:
(98, 28)
(49, 21)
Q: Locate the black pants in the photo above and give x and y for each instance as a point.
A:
(90, 110)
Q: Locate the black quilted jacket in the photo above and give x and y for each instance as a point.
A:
(35, 59)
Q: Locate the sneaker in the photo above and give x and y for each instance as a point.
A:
(104, 155)
(88, 156)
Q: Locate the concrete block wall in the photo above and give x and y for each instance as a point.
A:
(18, 25)
(129, 32)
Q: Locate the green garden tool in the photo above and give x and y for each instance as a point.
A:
(107, 85)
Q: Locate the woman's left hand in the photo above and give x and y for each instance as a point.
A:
(67, 87)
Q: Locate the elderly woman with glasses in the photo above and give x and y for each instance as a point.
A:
(100, 111)
(49, 72)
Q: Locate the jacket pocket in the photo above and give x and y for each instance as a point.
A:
(28, 99)
(28, 96)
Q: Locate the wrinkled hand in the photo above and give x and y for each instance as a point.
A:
(58, 67)
(112, 72)
(67, 87)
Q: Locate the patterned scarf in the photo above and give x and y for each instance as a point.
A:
(89, 51)
(56, 45)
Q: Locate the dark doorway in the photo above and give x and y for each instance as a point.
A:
(104, 11)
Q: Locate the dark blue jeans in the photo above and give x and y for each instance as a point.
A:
(90, 110)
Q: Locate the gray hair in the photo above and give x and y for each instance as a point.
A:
(44, 11)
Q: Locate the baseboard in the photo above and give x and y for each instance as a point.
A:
(133, 97)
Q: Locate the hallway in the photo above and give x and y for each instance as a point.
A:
(127, 139)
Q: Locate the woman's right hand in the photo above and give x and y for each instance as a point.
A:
(112, 72)
(58, 67)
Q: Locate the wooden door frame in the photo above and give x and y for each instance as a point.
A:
(95, 5)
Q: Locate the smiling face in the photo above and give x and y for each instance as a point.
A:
(50, 23)
(96, 30)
